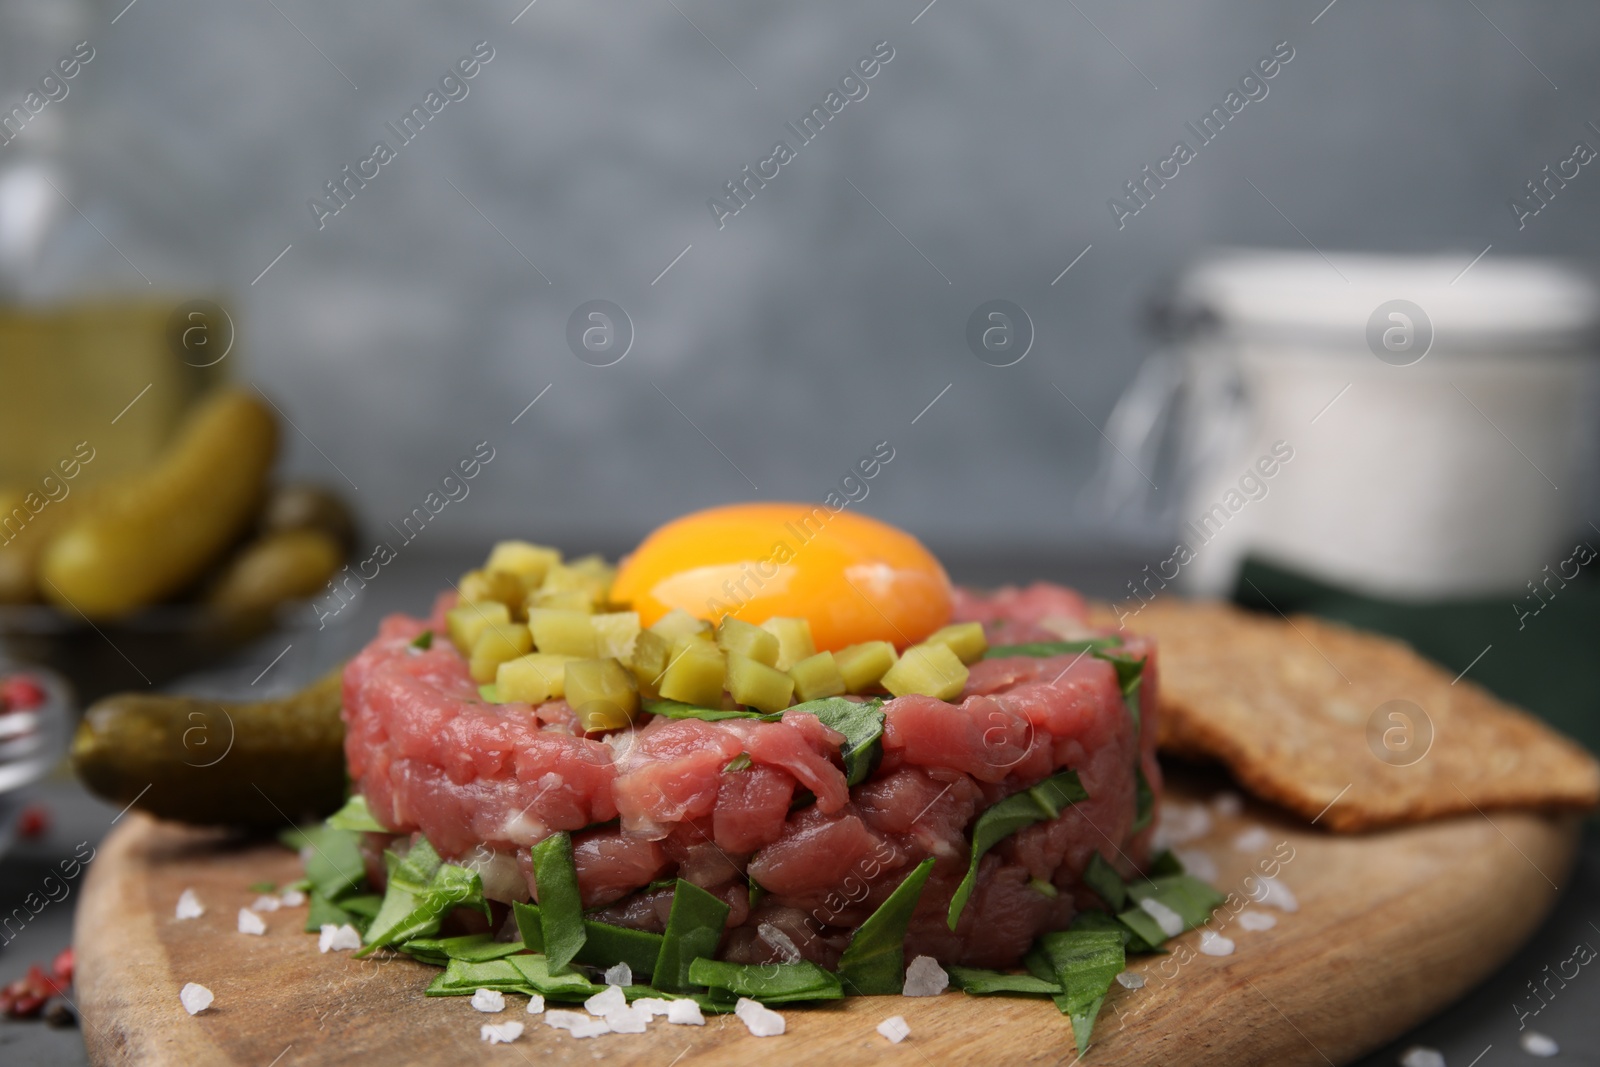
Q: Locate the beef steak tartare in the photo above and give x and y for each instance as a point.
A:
(760, 811)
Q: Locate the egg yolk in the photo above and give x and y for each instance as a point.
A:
(853, 578)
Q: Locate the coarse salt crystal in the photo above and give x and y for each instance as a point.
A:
(1182, 823)
(1214, 944)
(196, 998)
(292, 898)
(1171, 922)
(265, 903)
(564, 1020)
(894, 1028)
(500, 1033)
(1130, 980)
(1421, 1056)
(489, 1000)
(189, 906)
(1536, 1044)
(925, 978)
(685, 1013)
(606, 1001)
(620, 975)
(590, 1028)
(1198, 863)
(1227, 804)
(788, 951)
(250, 922)
(1254, 839)
(1257, 920)
(1273, 892)
(628, 1020)
(535, 1003)
(338, 938)
(654, 1005)
(760, 1021)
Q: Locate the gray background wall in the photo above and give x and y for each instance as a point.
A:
(808, 328)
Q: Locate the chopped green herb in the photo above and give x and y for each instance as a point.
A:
(461, 978)
(741, 762)
(470, 948)
(1132, 943)
(756, 892)
(674, 709)
(1043, 888)
(363, 905)
(1185, 894)
(1130, 673)
(604, 944)
(560, 908)
(1106, 882)
(490, 692)
(694, 928)
(551, 981)
(263, 887)
(322, 911)
(1052, 648)
(424, 640)
(355, 816)
(1041, 802)
(982, 983)
(1084, 963)
(770, 983)
(862, 727)
(875, 961)
(421, 892)
(1144, 801)
(332, 857)
(1165, 862)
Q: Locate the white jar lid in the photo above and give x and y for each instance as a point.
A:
(1500, 301)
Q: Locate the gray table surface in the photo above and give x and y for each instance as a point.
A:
(1481, 1030)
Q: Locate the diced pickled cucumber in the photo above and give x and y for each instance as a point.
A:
(678, 624)
(752, 682)
(615, 633)
(566, 633)
(816, 677)
(533, 678)
(965, 639)
(496, 645)
(561, 600)
(651, 653)
(602, 692)
(466, 621)
(591, 576)
(503, 586)
(528, 561)
(863, 665)
(695, 675)
(794, 640)
(734, 635)
(931, 670)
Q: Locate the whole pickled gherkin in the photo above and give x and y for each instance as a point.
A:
(216, 763)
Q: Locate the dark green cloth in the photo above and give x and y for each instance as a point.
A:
(1548, 662)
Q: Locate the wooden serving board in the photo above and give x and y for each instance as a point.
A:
(1391, 927)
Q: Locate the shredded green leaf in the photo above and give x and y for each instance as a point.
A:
(1041, 802)
(536, 971)
(741, 762)
(1043, 888)
(1132, 943)
(1144, 801)
(1106, 882)
(1084, 963)
(874, 963)
(1185, 894)
(1130, 674)
(490, 692)
(356, 816)
(862, 726)
(604, 944)
(424, 640)
(694, 929)
(674, 709)
(470, 948)
(561, 927)
(770, 983)
(1165, 862)
(263, 887)
(983, 983)
(462, 978)
(422, 890)
(332, 857)
(756, 892)
(1052, 648)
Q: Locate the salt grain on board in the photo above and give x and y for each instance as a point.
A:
(620, 975)
(1273, 892)
(654, 1005)
(500, 1033)
(189, 906)
(195, 998)
(564, 1020)
(1182, 823)
(628, 1020)
(760, 1021)
(535, 1003)
(925, 978)
(590, 1028)
(266, 903)
(250, 922)
(488, 1000)
(1198, 863)
(292, 898)
(1227, 804)
(1257, 920)
(1536, 1044)
(685, 1013)
(606, 1001)
(1171, 922)
(1255, 839)
(338, 938)
(894, 1028)
(1214, 944)
(1130, 980)
(1421, 1056)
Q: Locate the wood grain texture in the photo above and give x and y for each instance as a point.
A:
(1391, 927)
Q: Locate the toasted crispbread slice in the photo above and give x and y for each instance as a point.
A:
(1347, 728)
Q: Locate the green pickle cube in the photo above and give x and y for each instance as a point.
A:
(816, 677)
(695, 675)
(863, 665)
(754, 683)
(965, 639)
(602, 692)
(931, 670)
(747, 640)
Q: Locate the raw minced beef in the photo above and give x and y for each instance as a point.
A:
(484, 781)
